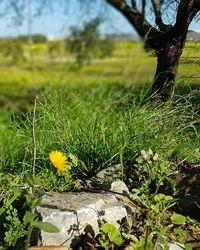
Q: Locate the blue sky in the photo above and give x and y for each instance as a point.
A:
(59, 21)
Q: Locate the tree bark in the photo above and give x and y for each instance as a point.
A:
(167, 66)
(168, 55)
(167, 41)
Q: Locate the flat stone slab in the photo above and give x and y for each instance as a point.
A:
(49, 248)
(77, 213)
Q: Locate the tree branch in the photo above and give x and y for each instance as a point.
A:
(196, 9)
(184, 17)
(197, 3)
(144, 29)
(156, 7)
(143, 8)
(133, 3)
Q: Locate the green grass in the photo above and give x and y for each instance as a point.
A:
(98, 123)
(96, 112)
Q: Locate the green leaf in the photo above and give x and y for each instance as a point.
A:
(163, 231)
(130, 237)
(154, 208)
(169, 198)
(178, 219)
(104, 243)
(28, 199)
(182, 233)
(188, 247)
(163, 243)
(30, 181)
(15, 196)
(36, 202)
(17, 193)
(46, 227)
(29, 217)
(113, 234)
(2, 210)
(136, 191)
(161, 197)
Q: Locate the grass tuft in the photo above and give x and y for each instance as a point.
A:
(101, 123)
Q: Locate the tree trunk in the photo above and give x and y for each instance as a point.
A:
(167, 66)
(167, 41)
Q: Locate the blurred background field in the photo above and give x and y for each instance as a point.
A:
(128, 64)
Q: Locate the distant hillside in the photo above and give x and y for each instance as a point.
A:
(124, 38)
(193, 36)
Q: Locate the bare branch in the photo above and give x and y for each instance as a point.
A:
(133, 3)
(156, 7)
(196, 9)
(184, 16)
(143, 8)
(144, 29)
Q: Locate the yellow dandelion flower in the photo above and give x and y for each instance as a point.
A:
(59, 160)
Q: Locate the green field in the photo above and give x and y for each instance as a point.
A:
(129, 64)
(100, 114)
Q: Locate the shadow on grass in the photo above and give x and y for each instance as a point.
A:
(141, 95)
(125, 95)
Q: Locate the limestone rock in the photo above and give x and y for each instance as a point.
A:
(175, 246)
(119, 187)
(104, 178)
(77, 213)
(49, 248)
